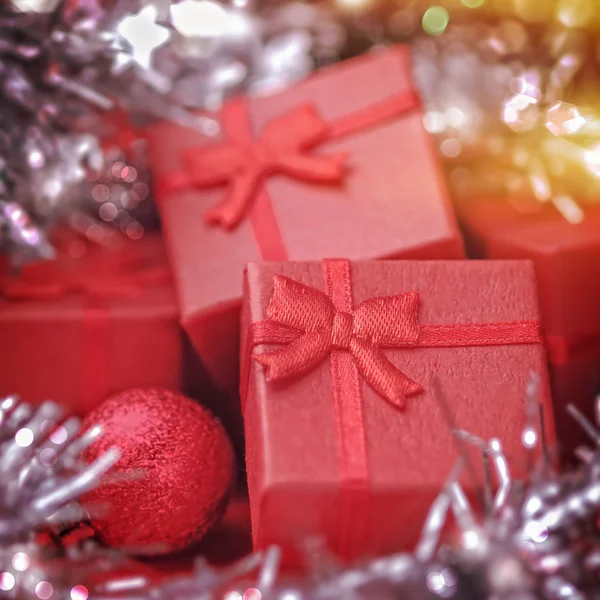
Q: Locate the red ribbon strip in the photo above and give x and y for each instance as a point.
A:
(284, 147)
(345, 377)
(312, 325)
(99, 280)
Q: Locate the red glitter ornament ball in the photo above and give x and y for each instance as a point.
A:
(174, 476)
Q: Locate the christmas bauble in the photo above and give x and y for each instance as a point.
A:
(174, 476)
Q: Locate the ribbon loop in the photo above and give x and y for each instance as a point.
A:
(299, 356)
(300, 129)
(390, 321)
(299, 306)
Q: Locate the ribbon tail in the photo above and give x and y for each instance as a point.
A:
(382, 375)
(298, 357)
(232, 210)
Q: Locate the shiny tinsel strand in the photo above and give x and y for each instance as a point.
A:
(41, 472)
(537, 540)
(41, 476)
(64, 63)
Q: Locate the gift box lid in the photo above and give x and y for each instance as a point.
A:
(390, 199)
(293, 425)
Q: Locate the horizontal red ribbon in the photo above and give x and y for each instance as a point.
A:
(305, 322)
(107, 276)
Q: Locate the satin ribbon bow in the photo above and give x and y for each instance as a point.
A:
(306, 321)
(244, 161)
(101, 278)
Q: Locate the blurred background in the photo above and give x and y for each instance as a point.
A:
(510, 89)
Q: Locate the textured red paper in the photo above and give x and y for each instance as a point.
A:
(392, 203)
(566, 258)
(291, 443)
(45, 346)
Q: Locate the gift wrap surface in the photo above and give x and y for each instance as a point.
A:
(566, 257)
(373, 496)
(338, 165)
(92, 323)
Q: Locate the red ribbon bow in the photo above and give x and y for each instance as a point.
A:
(306, 322)
(285, 147)
(312, 327)
(244, 161)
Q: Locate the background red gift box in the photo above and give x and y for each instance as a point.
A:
(567, 263)
(292, 450)
(391, 201)
(94, 322)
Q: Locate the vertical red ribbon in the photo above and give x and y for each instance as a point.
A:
(95, 354)
(263, 221)
(346, 381)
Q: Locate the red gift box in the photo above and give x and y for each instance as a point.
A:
(567, 263)
(91, 323)
(338, 165)
(345, 434)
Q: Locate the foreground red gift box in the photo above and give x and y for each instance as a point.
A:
(345, 435)
(567, 262)
(338, 165)
(94, 322)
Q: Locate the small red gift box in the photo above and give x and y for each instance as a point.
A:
(338, 165)
(345, 435)
(91, 323)
(567, 263)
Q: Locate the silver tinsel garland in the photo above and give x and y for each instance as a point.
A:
(41, 476)
(63, 63)
(533, 540)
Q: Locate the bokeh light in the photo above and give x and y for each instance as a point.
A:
(59, 435)
(79, 592)
(24, 437)
(44, 590)
(21, 561)
(48, 457)
(7, 581)
(435, 20)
